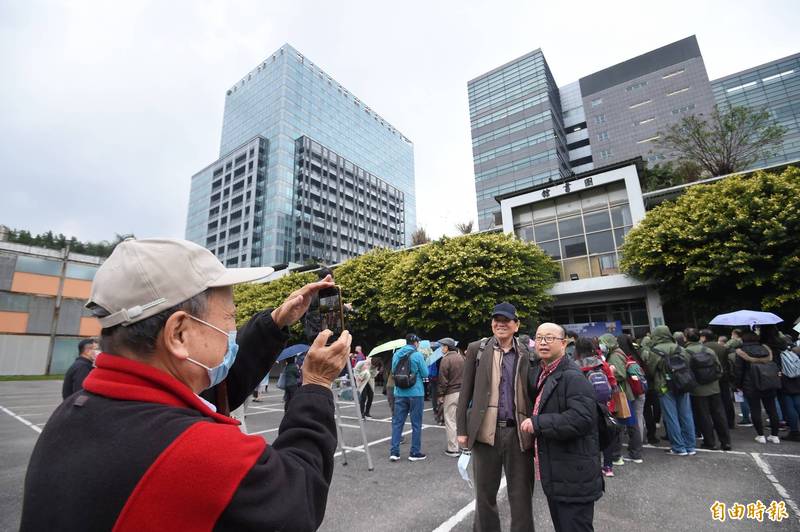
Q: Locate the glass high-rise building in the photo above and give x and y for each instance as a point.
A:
(518, 137)
(774, 86)
(306, 171)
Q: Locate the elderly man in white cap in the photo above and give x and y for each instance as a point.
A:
(139, 449)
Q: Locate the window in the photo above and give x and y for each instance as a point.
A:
(603, 135)
(597, 102)
(650, 139)
(36, 265)
(634, 106)
(621, 216)
(684, 109)
(574, 246)
(600, 119)
(601, 242)
(777, 76)
(635, 86)
(605, 154)
(671, 74)
(673, 93)
(741, 87)
(570, 226)
(597, 221)
(80, 271)
(545, 231)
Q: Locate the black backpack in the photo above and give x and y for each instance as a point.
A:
(403, 376)
(765, 376)
(680, 378)
(703, 366)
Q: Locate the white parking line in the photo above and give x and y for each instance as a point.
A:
(464, 512)
(778, 487)
(19, 418)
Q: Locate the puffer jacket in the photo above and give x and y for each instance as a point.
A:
(749, 353)
(566, 430)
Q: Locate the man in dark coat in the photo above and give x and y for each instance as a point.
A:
(149, 453)
(77, 372)
(564, 425)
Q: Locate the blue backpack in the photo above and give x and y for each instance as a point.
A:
(592, 368)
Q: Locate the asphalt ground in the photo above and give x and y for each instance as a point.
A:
(664, 493)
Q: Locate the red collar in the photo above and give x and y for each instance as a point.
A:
(116, 377)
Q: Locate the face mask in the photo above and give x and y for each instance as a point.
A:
(463, 462)
(218, 373)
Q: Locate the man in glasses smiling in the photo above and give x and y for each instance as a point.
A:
(564, 425)
(493, 402)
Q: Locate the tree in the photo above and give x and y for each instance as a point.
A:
(730, 244)
(448, 287)
(728, 141)
(419, 237)
(253, 298)
(670, 174)
(465, 228)
(362, 280)
(51, 241)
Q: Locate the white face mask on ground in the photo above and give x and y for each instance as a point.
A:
(218, 373)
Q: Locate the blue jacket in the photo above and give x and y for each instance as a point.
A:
(418, 367)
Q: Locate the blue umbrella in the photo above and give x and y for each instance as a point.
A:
(292, 351)
(435, 356)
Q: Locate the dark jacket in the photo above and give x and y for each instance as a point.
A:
(754, 353)
(566, 432)
(475, 417)
(75, 375)
(451, 372)
(119, 428)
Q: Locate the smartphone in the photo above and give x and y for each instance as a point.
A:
(325, 312)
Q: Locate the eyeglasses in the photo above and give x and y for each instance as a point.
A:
(548, 339)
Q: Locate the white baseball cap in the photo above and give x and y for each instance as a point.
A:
(144, 277)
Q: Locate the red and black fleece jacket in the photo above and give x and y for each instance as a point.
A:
(137, 450)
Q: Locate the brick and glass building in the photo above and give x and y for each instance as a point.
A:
(42, 319)
(250, 208)
(527, 131)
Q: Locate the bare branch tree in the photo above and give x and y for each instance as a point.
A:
(465, 228)
(420, 237)
(727, 141)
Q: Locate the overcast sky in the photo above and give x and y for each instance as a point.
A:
(108, 108)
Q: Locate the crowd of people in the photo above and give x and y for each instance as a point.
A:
(559, 408)
(552, 407)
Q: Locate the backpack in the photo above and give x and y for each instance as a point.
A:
(703, 366)
(597, 378)
(727, 366)
(403, 376)
(765, 376)
(680, 378)
(635, 377)
(790, 364)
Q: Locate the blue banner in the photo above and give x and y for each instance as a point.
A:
(595, 329)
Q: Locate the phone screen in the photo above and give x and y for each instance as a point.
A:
(325, 312)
